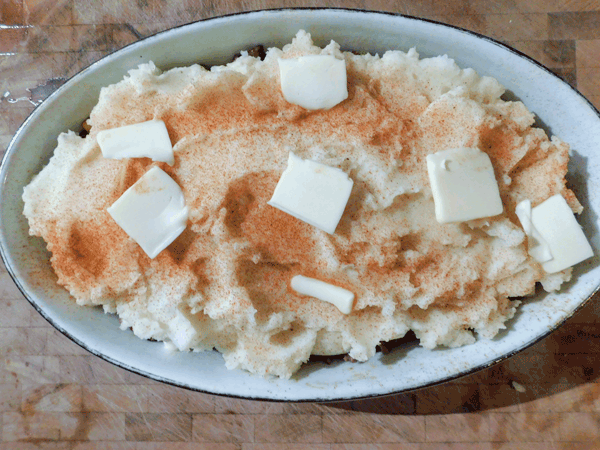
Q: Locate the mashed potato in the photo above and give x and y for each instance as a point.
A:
(225, 282)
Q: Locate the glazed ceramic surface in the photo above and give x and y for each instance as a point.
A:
(560, 110)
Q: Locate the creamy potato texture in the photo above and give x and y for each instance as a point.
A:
(225, 282)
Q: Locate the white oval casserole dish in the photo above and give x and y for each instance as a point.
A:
(560, 109)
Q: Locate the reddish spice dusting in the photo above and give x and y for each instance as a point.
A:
(221, 121)
(88, 249)
(277, 235)
(89, 252)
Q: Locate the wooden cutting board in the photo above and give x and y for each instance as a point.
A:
(54, 395)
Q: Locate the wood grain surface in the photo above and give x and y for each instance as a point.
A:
(54, 395)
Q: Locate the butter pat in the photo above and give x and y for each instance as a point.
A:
(538, 247)
(152, 211)
(341, 298)
(557, 226)
(314, 81)
(312, 192)
(142, 140)
(463, 184)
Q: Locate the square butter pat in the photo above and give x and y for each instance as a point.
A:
(341, 298)
(141, 140)
(312, 192)
(152, 211)
(463, 184)
(314, 81)
(556, 223)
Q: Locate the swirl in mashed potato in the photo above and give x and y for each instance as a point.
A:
(224, 283)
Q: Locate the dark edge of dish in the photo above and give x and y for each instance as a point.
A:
(345, 399)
